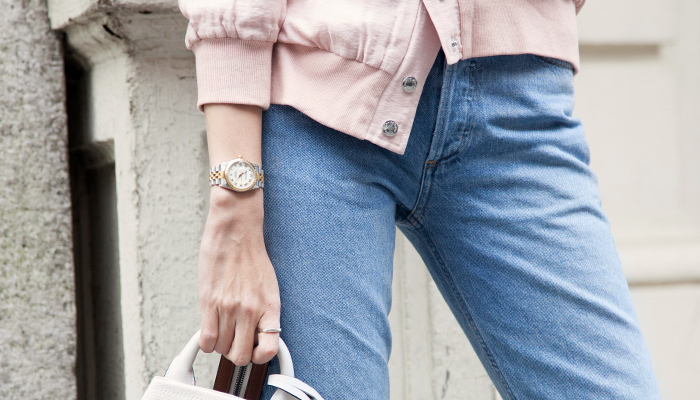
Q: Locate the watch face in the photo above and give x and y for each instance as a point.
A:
(240, 175)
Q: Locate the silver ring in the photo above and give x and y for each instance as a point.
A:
(272, 330)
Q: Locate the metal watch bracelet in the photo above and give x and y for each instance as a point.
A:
(217, 175)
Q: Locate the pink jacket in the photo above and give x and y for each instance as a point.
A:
(358, 66)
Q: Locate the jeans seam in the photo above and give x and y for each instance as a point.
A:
(419, 202)
(464, 308)
(448, 90)
(420, 206)
(472, 116)
(439, 123)
(558, 64)
(425, 203)
(462, 148)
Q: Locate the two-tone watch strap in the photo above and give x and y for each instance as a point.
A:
(261, 177)
(216, 175)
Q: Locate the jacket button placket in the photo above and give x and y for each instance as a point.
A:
(390, 128)
(409, 84)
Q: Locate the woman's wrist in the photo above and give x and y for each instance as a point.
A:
(232, 130)
(240, 206)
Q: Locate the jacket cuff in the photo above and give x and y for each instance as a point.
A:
(233, 71)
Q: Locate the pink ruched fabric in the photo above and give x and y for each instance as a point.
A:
(342, 62)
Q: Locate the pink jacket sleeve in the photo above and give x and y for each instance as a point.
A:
(579, 4)
(232, 42)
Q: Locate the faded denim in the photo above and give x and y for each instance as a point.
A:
(496, 194)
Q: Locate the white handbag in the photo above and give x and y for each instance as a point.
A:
(178, 382)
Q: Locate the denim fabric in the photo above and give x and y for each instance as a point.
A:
(496, 194)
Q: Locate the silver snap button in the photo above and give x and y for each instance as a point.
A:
(409, 84)
(390, 128)
(454, 44)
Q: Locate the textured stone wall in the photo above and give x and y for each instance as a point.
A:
(37, 310)
(142, 97)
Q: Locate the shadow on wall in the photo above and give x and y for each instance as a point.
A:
(100, 355)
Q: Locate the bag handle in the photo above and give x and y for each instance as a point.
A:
(288, 387)
(255, 380)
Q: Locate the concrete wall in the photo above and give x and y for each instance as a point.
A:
(142, 89)
(637, 96)
(37, 309)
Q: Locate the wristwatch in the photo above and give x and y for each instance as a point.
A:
(238, 174)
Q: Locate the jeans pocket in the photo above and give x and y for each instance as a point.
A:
(557, 62)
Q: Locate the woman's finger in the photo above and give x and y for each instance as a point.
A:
(227, 324)
(209, 329)
(242, 350)
(268, 343)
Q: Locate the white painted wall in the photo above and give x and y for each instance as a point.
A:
(639, 97)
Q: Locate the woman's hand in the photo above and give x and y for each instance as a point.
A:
(238, 290)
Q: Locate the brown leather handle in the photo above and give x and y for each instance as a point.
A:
(224, 375)
(256, 381)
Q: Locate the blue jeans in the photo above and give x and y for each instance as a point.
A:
(496, 194)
